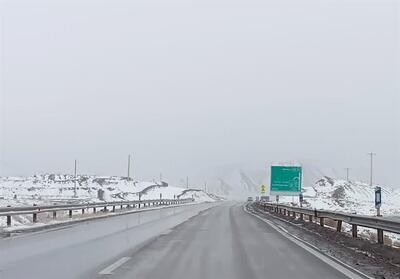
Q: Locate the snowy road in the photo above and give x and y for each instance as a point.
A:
(221, 242)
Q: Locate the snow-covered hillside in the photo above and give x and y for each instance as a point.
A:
(351, 196)
(324, 193)
(51, 188)
(320, 191)
(347, 196)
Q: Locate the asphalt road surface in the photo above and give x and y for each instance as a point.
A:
(220, 242)
(78, 251)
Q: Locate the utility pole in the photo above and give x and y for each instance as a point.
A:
(75, 194)
(205, 187)
(129, 167)
(371, 154)
(187, 182)
(160, 177)
(347, 174)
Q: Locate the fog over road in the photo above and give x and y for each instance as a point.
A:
(218, 240)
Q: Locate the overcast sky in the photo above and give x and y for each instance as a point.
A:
(188, 87)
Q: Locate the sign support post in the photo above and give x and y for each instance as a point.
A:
(378, 201)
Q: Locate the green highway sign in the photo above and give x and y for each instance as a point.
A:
(286, 180)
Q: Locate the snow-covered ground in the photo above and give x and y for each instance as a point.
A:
(51, 189)
(326, 193)
(348, 196)
(322, 190)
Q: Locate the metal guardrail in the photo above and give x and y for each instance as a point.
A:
(379, 223)
(37, 209)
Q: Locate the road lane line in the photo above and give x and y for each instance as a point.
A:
(109, 269)
(337, 264)
(283, 229)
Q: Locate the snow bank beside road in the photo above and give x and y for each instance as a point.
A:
(52, 189)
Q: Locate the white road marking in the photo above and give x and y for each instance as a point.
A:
(109, 269)
(165, 232)
(283, 229)
(342, 267)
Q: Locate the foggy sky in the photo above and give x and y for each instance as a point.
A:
(190, 87)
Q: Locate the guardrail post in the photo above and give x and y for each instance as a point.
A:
(294, 214)
(354, 230)
(34, 217)
(301, 216)
(321, 221)
(122, 206)
(339, 225)
(105, 209)
(54, 214)
(310, 218)
(83, 211)
(9, 218)
(380, 236)
(94, 209)
(113, 208)
(284, 212)
(70, 213)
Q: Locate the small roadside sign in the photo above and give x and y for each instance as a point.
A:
(263, 189)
